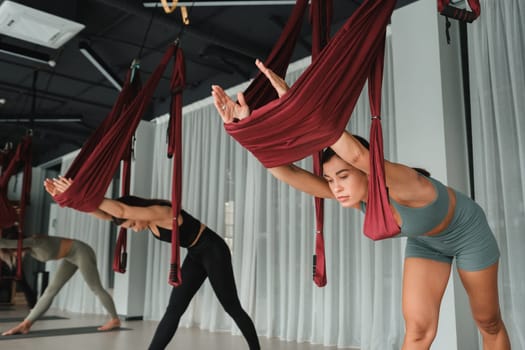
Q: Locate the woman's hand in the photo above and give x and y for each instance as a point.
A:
(22, 328)
(229, 110)
(277, 82)
(50, 187)
(57, 186)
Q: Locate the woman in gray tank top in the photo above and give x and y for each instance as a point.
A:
(441, 225)
(74, 255)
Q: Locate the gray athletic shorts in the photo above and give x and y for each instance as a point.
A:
(468, 238)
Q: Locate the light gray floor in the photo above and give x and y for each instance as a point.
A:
(136, 338)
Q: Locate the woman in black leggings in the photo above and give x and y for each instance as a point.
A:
(208, 256)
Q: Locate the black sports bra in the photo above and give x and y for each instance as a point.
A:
(188, 231)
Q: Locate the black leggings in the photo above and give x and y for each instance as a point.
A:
(211, 258)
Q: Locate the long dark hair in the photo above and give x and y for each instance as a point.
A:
(135, 201)
(328, 153)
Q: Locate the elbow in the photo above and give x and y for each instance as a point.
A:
(121, 212)
(360, 155)
(114, 208)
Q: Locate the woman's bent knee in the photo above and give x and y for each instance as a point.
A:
(491, 325)
(421, 333)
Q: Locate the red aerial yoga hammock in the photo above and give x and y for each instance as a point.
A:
(8, 214)
(98, 160)
(178, 81)
(315, 111)
(322, 100)
(320, 17)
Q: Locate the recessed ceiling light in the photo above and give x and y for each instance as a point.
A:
(2, 101)
(38, 27)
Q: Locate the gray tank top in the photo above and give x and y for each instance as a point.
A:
(418, 221)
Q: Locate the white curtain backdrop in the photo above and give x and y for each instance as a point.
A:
(75, 296)
(273, 241)
(273, 224)
(497, 80)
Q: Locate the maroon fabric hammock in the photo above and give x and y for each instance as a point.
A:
(320, 18)
(323, 97)
(95, 165)
(129, 91)
(260, 92)
(8, 214)
(315, 111)
(22, 155)
(178, 81)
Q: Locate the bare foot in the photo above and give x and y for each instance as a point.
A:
(22, 328)
(111, 324)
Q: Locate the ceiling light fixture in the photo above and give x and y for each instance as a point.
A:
(99, 64)
(40, 119)
(27, 54)
(35, 26)
(225, 3)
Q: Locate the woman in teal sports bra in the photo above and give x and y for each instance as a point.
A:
(441, 224)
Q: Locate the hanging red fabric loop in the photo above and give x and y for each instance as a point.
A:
(8, 214)
(379, 219)
(121, 255)
(315, 111)
(260, 92)
(131, 87)
(178, 81)
(95, 165)
(320, 17)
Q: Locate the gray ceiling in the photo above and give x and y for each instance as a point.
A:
(220, 46)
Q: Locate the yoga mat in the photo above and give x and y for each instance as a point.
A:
(20, 319)
(59, 331)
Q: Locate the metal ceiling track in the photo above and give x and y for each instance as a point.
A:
(41, 118)
(225, 3)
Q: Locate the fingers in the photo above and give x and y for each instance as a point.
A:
(223, 103)
(10, 332)
(266, 71)
(57, 185)
(278, 83)
(50, 187)
(241, 99)
(220, 106)
(229, 110)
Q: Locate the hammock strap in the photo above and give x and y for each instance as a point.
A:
(260, 91)
(177, 84)
(379, 220)
(320, 18)
(120, 257)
